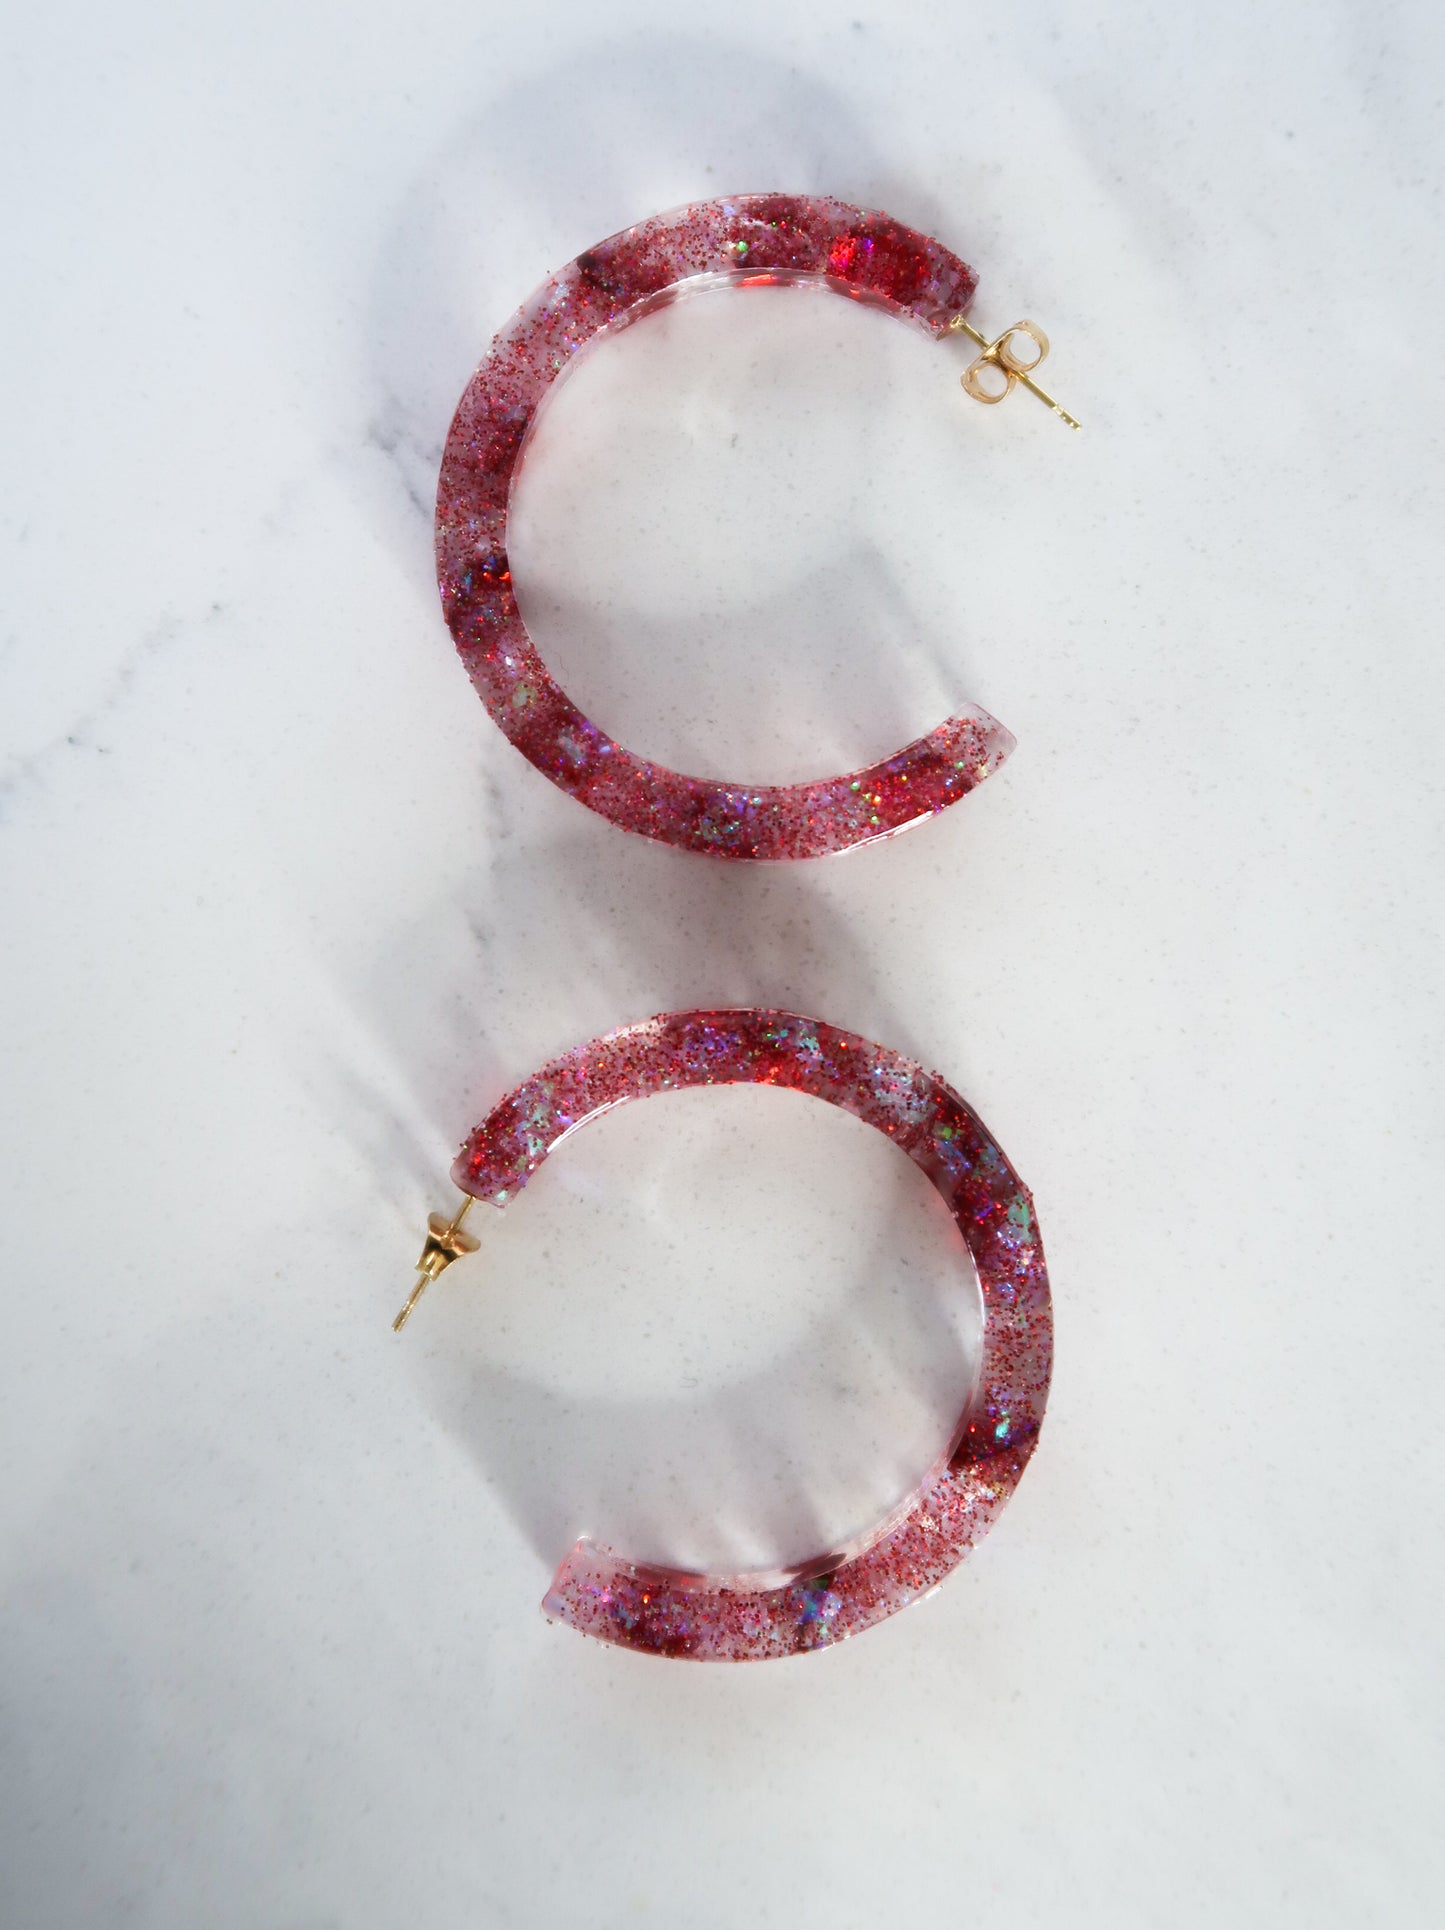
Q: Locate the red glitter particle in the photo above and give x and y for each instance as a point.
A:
(750, 240)
(737, 1618)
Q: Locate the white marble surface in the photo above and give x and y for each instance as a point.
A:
(284, 914)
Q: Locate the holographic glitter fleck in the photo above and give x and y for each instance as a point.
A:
(751, 1617)
(750, 241)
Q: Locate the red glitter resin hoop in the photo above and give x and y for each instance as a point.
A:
(750, 241)
(749, 1617)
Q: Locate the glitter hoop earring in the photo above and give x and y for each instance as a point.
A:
(752, 1617)
(749, 241)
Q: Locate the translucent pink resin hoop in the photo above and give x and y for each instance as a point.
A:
(737, 1618)
(751, 241)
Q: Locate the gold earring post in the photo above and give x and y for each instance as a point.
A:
(1002, 355)
(445, 1242)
